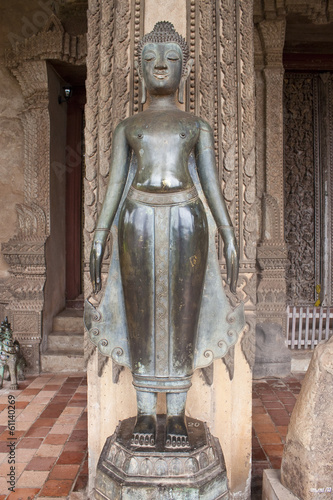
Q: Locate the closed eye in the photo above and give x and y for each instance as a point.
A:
(173, 56)
(149, 56)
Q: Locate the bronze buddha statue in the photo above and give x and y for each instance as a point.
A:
(163, 242)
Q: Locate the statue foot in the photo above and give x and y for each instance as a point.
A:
(176, 432)
(144, 433)
(14, 387)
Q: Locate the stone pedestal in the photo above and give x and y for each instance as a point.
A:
(125, 472)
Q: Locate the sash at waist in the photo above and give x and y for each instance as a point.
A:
(171, 198)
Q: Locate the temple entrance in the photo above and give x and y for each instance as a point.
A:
(74, 196)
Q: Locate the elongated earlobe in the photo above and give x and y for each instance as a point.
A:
(143, 91)
(181, 89)
(142, 83)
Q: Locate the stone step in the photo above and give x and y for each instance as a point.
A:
(65, 341)
(55, 362)
(68, 320)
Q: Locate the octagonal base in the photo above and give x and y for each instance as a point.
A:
(128, 473)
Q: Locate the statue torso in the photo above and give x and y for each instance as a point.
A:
(162, 141)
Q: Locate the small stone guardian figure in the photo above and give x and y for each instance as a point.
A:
(163, 312)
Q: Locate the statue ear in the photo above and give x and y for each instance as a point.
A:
(142, 82)
(187, 71)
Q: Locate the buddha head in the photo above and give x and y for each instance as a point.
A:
(163, 62)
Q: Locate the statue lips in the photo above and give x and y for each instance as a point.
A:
(161, 75)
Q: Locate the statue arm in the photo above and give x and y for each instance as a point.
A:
(119, 166)
(205, 160)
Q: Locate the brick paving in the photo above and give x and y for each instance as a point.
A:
(51, 434)
(272, 403)
(50, 438)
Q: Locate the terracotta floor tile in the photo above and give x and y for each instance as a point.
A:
(23, 425)
(72, 410)
(79, 396)
(65, 419)
(70, 457)
(21, 404)
(81, 425)
(5, 469)
(24, 455)
(258, 455)
(64, 472)
(3, 447)
(30, 391)
(3, 456)
(260, 428)
(31, 478)
(53, 410)
(62, 428)
(256, 402)
(31, 442)
(56, 498)
(81, 482)
(49, 450)
(276, 405)
(276, 462)
(24, 494)
(37, 432)
(41, 463)
(5, 436)
(84, 469)
(273, 450)
(44, 422)
(51, 387)
(256, 410)
(76, 446)
(79, 435)
(269, 438)
(56, 439)
(56, 488)
(283, 429)
(262, 419)
(77, 404)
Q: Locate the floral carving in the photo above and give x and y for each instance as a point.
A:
(299, 187)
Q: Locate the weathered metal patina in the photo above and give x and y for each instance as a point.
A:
(164, 312)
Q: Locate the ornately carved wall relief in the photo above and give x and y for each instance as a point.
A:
(308, 185)
(219, 35)
(22, 294)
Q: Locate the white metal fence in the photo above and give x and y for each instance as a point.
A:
(307, 326)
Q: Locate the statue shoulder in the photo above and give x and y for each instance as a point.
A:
(204, 125)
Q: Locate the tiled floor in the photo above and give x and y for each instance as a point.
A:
(51, 434)
(50, 438)
(273, 401)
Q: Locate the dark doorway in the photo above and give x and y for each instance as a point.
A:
(74, 195)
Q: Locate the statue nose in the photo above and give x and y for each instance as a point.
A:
(160, 64)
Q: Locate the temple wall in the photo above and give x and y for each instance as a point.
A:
(33, 124)
(11, 159)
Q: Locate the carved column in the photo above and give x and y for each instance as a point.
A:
(25, 252)
(272, 251)
(272, 356)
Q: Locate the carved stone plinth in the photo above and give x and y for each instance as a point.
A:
(125, 472)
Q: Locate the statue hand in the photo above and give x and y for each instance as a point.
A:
(96, 257)
(230, 251)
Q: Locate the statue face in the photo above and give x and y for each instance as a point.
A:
(162, 67)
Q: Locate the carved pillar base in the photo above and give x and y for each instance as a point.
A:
(273, 359)
(127, 473)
